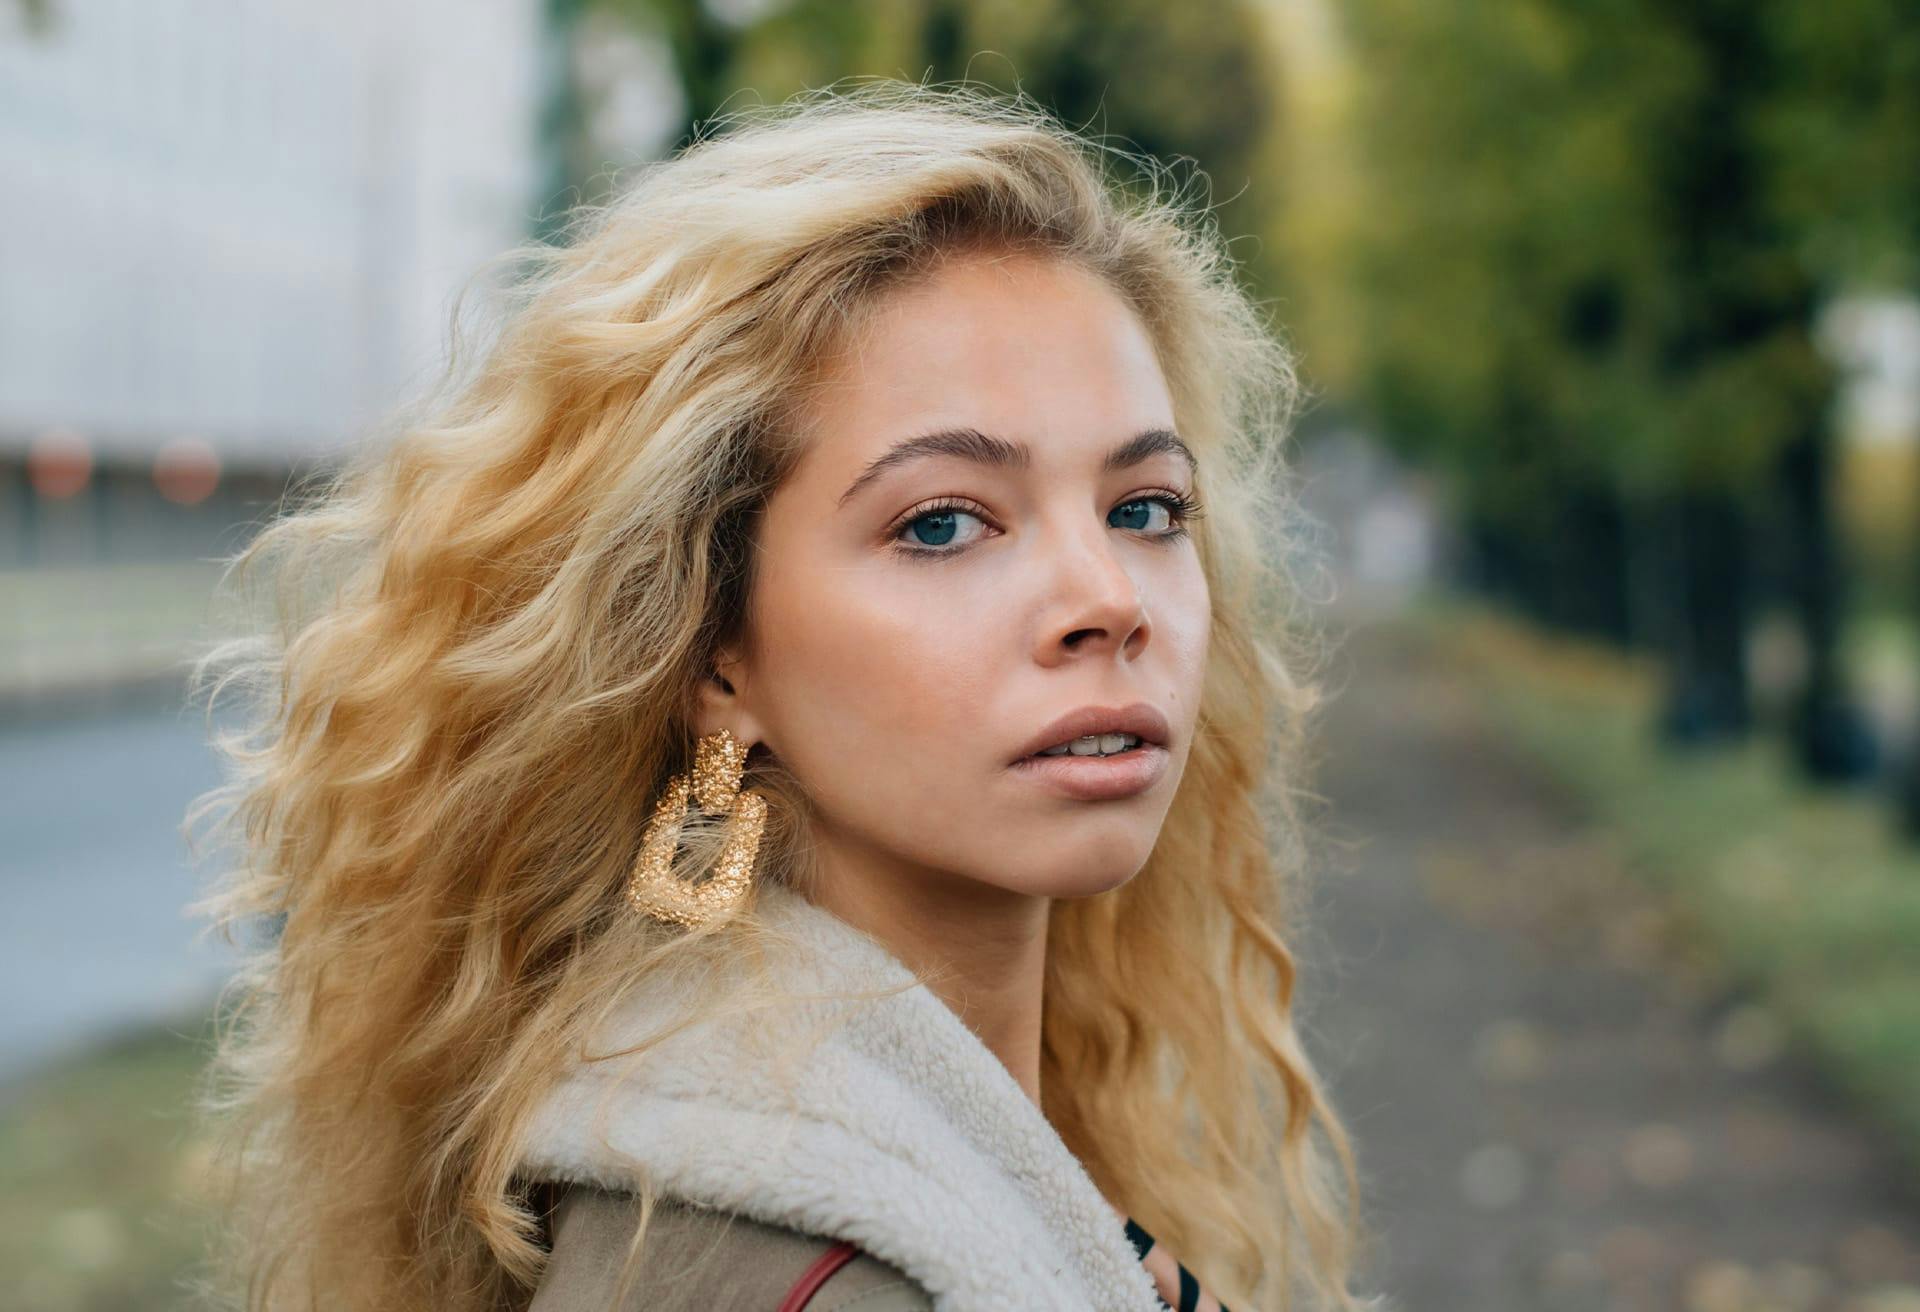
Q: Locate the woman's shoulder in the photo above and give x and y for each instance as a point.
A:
(699, 1258)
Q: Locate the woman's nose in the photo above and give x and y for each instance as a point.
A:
(1100, 601)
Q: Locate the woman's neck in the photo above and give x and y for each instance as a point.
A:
(983, 949)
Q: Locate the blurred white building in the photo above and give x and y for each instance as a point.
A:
(240, 223)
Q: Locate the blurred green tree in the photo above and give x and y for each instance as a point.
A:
(1127, 70)
(1585, 289)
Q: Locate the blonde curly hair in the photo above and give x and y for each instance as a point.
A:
(488, 632)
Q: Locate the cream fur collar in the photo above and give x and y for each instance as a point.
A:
(901, 1132)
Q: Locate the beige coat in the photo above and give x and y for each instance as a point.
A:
(881, 1122)
(699, 1260)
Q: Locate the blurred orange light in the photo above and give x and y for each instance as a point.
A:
(186, 470)
(59, 463)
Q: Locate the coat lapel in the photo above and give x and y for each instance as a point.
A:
(885, 1122)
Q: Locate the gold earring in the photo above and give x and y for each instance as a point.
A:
(653, 889)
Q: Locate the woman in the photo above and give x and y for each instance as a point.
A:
(682, 897)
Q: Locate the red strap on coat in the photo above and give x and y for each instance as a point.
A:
(816, 1275)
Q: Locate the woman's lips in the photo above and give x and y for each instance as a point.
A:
(1142, 720)
(1096, 778)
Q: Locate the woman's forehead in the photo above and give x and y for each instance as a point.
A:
(1028, 349)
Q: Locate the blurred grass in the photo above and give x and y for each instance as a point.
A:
(102, 1180)
(1807, 897)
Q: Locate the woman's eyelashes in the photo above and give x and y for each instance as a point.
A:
(932, 529)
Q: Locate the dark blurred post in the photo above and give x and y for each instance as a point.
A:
(1830, 736)
(1709, 694)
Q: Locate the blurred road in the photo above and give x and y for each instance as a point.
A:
(1551, 1111)
(94, 875)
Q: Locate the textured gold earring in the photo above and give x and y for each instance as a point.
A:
(653, 889)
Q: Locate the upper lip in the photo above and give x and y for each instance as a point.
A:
(1141, 719)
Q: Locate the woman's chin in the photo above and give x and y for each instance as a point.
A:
(1081, 881)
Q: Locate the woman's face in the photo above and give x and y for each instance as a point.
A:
(921, 619)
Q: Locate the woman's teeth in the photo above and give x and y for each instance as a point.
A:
(1097, 744)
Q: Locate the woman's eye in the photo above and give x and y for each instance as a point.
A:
(1137, 514)
(934, 528)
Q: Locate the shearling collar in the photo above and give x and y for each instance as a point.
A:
(900, 1132)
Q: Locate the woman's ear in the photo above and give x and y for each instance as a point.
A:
(723, 704)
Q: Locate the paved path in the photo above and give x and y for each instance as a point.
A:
(1554, 1113)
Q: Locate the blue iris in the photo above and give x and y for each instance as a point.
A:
(947, 529)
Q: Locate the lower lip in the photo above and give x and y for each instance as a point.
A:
(1096, 778)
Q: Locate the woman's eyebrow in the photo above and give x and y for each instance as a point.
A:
(986, 449)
